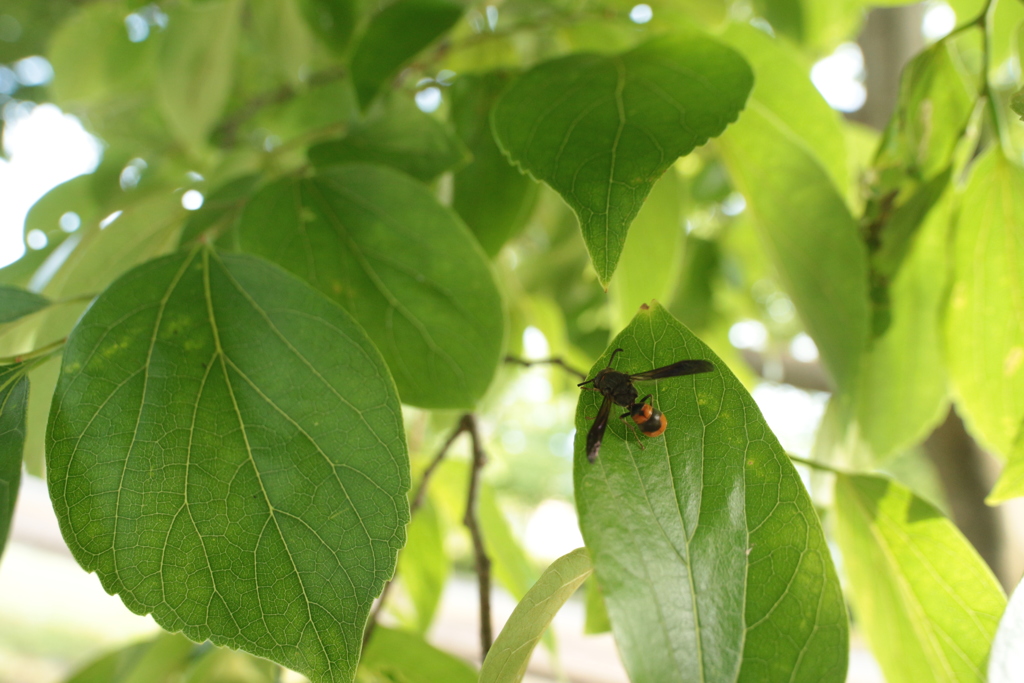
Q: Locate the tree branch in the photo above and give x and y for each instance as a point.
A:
(227, 131)
(550, 361)
(416, 504)
(483, 562)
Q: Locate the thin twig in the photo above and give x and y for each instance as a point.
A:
(549, 361)
(416, 504)
(815, 464)
(42, 352)
(227, 131)
(483, 563)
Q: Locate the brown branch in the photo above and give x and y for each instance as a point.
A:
(483, 563)
(550, 361)
(416, 504)
(227, 131)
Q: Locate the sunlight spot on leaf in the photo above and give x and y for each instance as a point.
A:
(641, 14)
(748, 334)
(535, 344)
(70, 221)
(192, 200)
(803, 348)
(36, 239)
(840, 78)
(939, 19)
(428, 99)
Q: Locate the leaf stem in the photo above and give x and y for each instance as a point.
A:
(483, 562)
(416, 504)
(41, 353)
(557, 360)
(816, 464)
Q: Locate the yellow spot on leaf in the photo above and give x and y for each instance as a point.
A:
(1013, 361)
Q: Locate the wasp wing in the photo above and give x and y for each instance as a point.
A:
(683, 367)
(596, 432)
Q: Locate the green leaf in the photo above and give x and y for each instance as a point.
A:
(935, 102)
(93, 59)
(1011, 480)
(221, 665)
(926, 601)
(784, 92)
(808, 232)
(74, 196)
(138, 231)
(902, 392)
(423, 567)
(196, 67)
(597, 615)
(406, 657)
(713, 564)
(1017, 103)
(218, 217)
(985, 320)
(225, 450)
(159, 660)
(16, 303)
(509, 656)
(601, 130)
(13, 407)
(652, 255)
(332, 20)
(400, 136)
(396, 35)
(1006, 660)
(490, 194)
(404, 266)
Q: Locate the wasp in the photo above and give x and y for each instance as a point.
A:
(617, 387)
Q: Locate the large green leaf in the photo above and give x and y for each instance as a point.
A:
(985, 319)
(1007, 658)
(601, 130)
(783, 88)
(396, 35)
(196, 66)
(926, 601)
(406, 657)
(398, 135)
(489, 193)
(509, 656)
(652, 255)
(13, 406)
(712, 561)
(903, 385)
(16, 303)
(809, 233)
(225, 450)
(404, 266)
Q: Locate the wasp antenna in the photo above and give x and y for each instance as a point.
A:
(612, 359)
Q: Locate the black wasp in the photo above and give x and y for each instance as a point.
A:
(617, 387)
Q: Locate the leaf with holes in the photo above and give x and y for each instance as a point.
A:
(711, 559)
(225, 450)
(602, 129)
(404, 266)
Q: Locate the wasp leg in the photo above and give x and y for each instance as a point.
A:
(632, 427)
